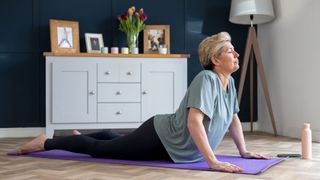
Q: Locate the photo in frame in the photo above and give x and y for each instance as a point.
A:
(94, 42)
(155, 37)
(64, 36)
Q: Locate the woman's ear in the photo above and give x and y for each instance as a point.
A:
(215, 61)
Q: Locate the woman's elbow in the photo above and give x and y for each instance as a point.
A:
(189, 124)
(193, 123)
(195, 118)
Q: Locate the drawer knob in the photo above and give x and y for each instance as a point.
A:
(92, 92)
(118, 112)
(145, 92)
(108, 73)
(118, 93)
(129, 73)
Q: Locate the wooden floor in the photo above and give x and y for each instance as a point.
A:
(18, 168)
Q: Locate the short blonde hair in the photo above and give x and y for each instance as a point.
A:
(210, 47)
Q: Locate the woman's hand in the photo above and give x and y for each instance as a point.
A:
(253, 155)
(225, 166)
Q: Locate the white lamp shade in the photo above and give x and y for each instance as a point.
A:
(261, 10)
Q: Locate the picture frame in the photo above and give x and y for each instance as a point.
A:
(155, 37)
(94, 42)
(64, 36)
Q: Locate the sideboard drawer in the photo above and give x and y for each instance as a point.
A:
(129, 72)
(119, 72)
(108, 72)
(119, 112)
(116, 92)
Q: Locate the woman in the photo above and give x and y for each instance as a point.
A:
(208, 109)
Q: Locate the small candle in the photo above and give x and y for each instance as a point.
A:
(135, 50)
(105, 50)
(125, 50)
(115, 50)
(163, 50)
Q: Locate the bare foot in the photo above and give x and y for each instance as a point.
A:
(76, 132)
(37, 144)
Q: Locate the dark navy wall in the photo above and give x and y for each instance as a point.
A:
(24, 36)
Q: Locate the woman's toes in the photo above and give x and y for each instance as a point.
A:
(37, 144)
(76, 132)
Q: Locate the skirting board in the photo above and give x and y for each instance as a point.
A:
(20, 132)
(246, 126)
(296, 133)
(33, 132)
(316, 136)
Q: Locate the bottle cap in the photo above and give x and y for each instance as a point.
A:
(306, 125)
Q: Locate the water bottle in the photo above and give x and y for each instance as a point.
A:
(306, 142)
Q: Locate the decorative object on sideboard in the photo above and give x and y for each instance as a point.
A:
(135, 50)
(114, 50)
(124, 50)
(131, 23)
(250, 12)
(155, 37)
(163, 49)
(105, 50)
(94, 42)
(64, 36)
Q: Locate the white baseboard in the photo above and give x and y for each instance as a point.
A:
(33, 132)
(20, 132)
(246, 126)
(316, 136)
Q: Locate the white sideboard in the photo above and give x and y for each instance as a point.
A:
(104, 91)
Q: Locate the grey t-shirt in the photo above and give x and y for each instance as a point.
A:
(206, 94)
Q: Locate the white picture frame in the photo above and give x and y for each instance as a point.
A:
(94, 42)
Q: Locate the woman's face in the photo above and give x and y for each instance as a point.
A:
(228, 59)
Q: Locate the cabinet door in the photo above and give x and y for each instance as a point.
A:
(162, 88)
(73, 92)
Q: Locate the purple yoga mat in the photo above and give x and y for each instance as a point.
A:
(250, 166)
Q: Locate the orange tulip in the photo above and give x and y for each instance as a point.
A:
(130, 12)
(133, 8)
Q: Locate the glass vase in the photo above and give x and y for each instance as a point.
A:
(132, 40)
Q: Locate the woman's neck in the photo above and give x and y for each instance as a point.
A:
(224, 78)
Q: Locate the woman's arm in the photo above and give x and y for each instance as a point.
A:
(199, 136)
(236, 134)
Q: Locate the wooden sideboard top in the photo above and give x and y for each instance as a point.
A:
(118, 55)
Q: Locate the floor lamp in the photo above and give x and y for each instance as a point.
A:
(253, 12)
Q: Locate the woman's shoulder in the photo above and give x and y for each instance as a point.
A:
(205, 78)
(207, 74)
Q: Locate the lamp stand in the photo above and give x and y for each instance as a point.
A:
(253, 43)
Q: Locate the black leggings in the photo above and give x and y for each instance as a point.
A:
(141, 144)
